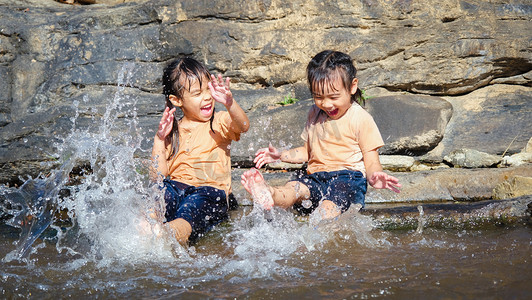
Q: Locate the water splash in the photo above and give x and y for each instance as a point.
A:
(113, 198)
(264, 240)
(261, 241)
(421, 220)
(32, 208)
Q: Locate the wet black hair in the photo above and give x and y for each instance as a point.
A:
(174, 76)
(327, 66)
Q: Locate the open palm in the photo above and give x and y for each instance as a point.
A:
(220, 90)
(166, 123)
(381, 180)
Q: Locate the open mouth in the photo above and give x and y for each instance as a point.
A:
(206, 110)
(333, 112)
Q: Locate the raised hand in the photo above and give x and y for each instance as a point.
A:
(220, 90)
(266, 155)
(381, 180)
(166, 123)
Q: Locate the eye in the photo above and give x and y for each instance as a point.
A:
(204, 91)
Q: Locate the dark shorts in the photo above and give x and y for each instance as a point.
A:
(203, 207)
(344, 188)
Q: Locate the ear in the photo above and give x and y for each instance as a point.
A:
(175, 101)
(354, 86)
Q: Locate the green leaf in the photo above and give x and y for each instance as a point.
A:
(288, 99)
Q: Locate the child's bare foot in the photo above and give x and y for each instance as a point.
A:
(146, 228)
(326, 210)
(254, 183)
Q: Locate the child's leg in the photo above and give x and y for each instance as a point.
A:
(181, 229)
(344, 188)
(291, 193)
(201, 208)
(283, 196)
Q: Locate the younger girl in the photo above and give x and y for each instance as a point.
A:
(341, 142)
(192, 154)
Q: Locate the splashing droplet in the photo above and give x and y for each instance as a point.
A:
(306, 203)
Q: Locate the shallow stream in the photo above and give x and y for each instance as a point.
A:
(252, 258)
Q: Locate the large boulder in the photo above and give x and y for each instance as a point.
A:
(496, 119)
(410, 124)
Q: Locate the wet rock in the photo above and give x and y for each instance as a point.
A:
(456, 215)
(516, 186)
(470, 158)
(449, 184)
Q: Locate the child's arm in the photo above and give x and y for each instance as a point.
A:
(268, 155)
(158, 152)
(376, 177)
(221, 93)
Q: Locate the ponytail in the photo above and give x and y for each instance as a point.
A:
(358, 98)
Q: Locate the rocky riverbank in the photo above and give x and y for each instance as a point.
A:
(448, 83)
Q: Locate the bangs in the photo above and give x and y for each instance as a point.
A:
(188, 72)
(323, 80)
(190, 77)
(327, 68)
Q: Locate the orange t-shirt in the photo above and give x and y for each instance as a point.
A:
(203, 157)
(335, 145)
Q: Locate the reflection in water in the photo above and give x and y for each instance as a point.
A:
(103, 250)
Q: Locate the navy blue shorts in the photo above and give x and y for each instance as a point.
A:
(344, 187)
(203, 207)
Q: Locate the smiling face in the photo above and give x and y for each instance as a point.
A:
(196, 102)
(333, 97)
